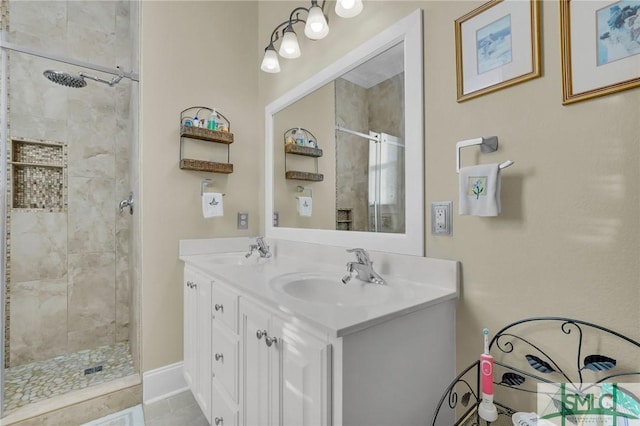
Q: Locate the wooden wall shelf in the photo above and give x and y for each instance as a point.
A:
(314, 177)
(206, 166)
(303, 150)
(206, 134)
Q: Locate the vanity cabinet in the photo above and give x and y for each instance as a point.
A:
(258, 365)
(285, 371)
(197, 337)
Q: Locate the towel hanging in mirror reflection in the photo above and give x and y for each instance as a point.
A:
(305, 206)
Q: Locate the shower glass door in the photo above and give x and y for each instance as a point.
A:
(70, 319)
(386, 178)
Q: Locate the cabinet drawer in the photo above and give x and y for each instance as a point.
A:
(223, 412)
(225, 361)
(225, 307)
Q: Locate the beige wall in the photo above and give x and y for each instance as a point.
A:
(566, 243)
(189, 59)
(567, 240)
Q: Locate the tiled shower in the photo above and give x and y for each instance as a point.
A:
(359, 108)
(71, 280)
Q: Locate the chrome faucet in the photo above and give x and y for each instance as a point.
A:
(363, 268)
(260, 246)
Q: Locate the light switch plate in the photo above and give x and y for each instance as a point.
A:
(243, 220)
(441, 218)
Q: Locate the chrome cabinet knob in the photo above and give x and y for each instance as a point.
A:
(218, 307)
(218, 357)
(271, 341)
(218, 421)
(261, 333)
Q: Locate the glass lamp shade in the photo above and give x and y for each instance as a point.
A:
(316, 26)
(289, 47)
(348, 8)
(270, 61)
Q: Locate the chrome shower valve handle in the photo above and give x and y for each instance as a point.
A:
(127, 203)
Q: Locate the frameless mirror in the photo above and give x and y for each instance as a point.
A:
(344, 154)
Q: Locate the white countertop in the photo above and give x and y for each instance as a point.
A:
(428, 281)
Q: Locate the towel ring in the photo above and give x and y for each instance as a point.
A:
(204, 183)
(304, 188)
(488, 144)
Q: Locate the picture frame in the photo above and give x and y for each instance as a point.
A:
(497, 46)
(598, 48)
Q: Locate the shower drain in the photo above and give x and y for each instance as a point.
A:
(92, 370)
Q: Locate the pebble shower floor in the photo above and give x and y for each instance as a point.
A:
(45, 379)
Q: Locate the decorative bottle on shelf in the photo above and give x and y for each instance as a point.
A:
(213, 120)
(301, 140)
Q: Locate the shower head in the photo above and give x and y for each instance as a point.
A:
(65, 79)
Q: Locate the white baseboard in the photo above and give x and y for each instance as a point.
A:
(162, 383)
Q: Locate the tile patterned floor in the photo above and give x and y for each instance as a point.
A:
(56, 376)
(181, 409)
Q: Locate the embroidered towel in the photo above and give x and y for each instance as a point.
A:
(212, 204)
(305, 206)
(480, 190)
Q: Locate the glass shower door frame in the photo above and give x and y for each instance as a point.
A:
(5, 47)
(3, 210)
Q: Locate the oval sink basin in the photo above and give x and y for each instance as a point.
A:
(328, 289)
(236, 259)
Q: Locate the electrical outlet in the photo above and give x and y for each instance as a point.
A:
(276, 219)
(441, 218)
(243, 220)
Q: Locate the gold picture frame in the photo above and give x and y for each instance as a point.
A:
(610, 63)
(497, 46)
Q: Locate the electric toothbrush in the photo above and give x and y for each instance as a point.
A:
(487, 410)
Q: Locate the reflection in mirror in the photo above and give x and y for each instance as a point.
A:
(364, 172)
(315, 113)
(370, 145)
(358, 123)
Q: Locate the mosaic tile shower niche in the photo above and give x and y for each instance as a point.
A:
(39, 175)
(70, 281)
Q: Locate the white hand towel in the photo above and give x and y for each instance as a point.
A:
(305, 206)
(212, 204)
(480, 190)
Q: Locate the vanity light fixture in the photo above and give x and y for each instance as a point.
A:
(270, 61)
(289, 47)
(348, 8)
(316, 27)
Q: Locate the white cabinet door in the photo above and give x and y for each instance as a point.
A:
(203, 346)
(197, 338)
(190, 312)
(286, 382)
(255, 401)
(304, 376)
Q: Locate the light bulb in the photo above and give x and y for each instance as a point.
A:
(270, 61)
(289, 47)
(316, 26)
(348, 8)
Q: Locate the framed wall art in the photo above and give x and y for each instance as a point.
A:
(600, 48)
(497, 46)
